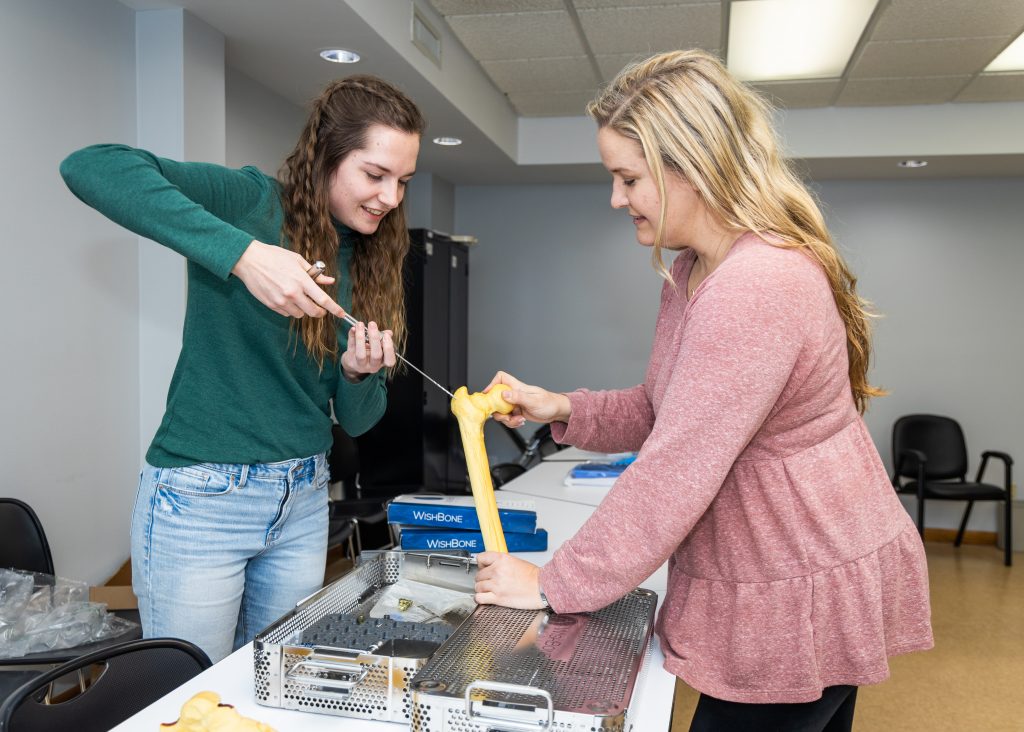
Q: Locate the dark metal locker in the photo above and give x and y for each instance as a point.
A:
(416, 444)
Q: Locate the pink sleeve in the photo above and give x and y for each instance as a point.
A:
(607, 421)
(741, 340)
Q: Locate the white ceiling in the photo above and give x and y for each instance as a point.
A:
(508, 62)
(551, 56)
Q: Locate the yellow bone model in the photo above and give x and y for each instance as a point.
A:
(204, 713)
(472, 410)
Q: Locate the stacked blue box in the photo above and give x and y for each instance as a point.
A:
(415, 537)
(436, 521)
(598, 473)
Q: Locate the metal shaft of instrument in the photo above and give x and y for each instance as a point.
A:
(319, 268)
(352, 321)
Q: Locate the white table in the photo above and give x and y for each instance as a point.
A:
(547, 480)
(232, 678)
(576, 455)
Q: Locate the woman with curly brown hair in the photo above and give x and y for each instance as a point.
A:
(794, 571)
(229, 528)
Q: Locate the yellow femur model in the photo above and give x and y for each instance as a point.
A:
(472, 410)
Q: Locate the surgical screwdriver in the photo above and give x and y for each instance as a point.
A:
(319, 268)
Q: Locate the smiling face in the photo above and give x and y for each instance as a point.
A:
(634, 189)
(370, 182)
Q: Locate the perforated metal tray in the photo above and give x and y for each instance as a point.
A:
(525, 670)
(328, 656)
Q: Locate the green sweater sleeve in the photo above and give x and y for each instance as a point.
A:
(184, 206)
(359, 406)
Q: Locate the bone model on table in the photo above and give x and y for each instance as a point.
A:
(472, 410)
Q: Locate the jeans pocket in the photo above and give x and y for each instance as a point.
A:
(193, 480)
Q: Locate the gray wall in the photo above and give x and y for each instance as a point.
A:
(262, 127)
(69, 279)
(562, 296)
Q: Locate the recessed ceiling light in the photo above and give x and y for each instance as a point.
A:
(447, 141)
(1011, 59)
(773, 40)
(339, 55)
(912, 163)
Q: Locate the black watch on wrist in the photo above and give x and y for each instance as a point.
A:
(543, 598)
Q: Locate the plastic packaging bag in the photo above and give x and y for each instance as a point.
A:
(418, 602)
(39, 612)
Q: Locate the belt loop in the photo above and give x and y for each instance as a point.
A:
(244, 476)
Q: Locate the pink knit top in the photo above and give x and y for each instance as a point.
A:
(792, 564)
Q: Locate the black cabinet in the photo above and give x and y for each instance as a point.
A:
(416, 444)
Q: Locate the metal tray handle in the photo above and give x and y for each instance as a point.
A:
(357, 672)
(504, 723)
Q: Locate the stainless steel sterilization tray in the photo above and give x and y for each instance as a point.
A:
(530, 670)
(328, 656)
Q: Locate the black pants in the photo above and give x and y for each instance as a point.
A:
(832, 713)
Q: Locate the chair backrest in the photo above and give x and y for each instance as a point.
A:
(23, 542)
(939, 438)
(136, 674)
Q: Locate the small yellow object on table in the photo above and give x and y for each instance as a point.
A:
(204, 713)
(472, 410)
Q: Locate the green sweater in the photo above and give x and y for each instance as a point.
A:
(245, 390)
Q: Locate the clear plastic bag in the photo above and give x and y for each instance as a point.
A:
(419, 602)
(40, 612)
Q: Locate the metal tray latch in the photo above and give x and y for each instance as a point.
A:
(507, 716)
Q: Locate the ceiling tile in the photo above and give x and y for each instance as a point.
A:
(916, 19)
(477, 7)
(994, 88)
(557, 104)
(909, 90)
(799, 94)
(926, 58)
(650, 29)
(542, 74)
(517, 35)
(612, 64)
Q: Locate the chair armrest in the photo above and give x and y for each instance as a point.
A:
(897, 470)
(999, 455)
(1007, 467)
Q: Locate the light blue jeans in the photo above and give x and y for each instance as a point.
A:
(221, 551)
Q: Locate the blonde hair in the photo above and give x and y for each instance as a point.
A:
(691, 117)
(337, 125)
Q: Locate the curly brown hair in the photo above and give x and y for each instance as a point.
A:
(337, 126)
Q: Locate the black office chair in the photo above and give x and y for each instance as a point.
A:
(540, 445)
(931, 451)
(23, 542)
(130, 676)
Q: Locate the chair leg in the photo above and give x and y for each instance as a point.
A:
(1008, 531)
(963, 524)
(920, 517)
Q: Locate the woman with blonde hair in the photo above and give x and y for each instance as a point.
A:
(229, 528)
(794, 571)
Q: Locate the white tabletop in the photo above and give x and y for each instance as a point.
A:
(547, 479)
(576, 455)
(560, 510)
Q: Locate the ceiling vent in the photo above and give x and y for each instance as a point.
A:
(425, 37)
